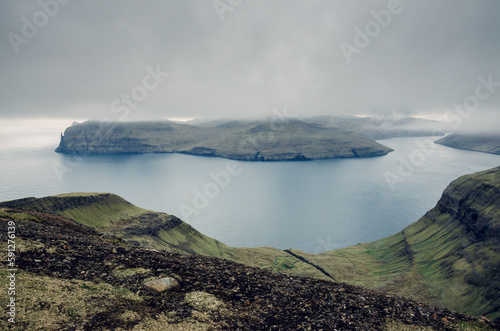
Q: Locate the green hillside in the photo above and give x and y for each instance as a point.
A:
(449, 257)
(116, 217)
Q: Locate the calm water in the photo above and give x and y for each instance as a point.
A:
(313, 206)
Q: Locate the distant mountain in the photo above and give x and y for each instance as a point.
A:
(381, 128)
(250, 141)
(293, 140)
(484, 142)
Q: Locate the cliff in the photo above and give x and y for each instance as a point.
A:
(450, 257)
(249, 141)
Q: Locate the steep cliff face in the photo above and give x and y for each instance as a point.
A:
(474, 201)
(113, 137)
(461, 251)
(113, 215)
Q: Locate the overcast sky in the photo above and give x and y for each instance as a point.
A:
(232, 58)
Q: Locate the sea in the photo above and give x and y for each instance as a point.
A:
(314, 206)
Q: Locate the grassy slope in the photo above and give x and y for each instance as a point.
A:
(439, 259)
(110, 210)
(109, 213)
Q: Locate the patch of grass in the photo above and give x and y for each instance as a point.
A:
(89, 287)
(101, 215)
(273, 259)
(470, 326)
(169, 322)
(123, 273)
(120, 291)
(204, 302)
(45, 303)
(130, 316)
(400, 326)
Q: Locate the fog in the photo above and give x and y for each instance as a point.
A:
(128, 60)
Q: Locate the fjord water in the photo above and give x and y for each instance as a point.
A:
(312, 206)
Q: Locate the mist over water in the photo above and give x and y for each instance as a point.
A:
(313, 206)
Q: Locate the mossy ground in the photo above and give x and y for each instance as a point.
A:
(399, 326)
(47, 303)
(70, 277)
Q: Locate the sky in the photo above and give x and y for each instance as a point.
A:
(141, 60)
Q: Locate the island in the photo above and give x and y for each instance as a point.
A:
(283, 140)
(479, 142)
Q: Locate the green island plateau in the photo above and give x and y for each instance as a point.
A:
(83, 259)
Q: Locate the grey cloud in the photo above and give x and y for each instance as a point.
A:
(263, 55)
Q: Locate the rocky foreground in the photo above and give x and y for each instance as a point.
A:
(70, 277)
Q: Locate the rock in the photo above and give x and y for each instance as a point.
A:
(161, 285)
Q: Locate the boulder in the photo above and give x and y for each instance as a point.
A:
(161, 285)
